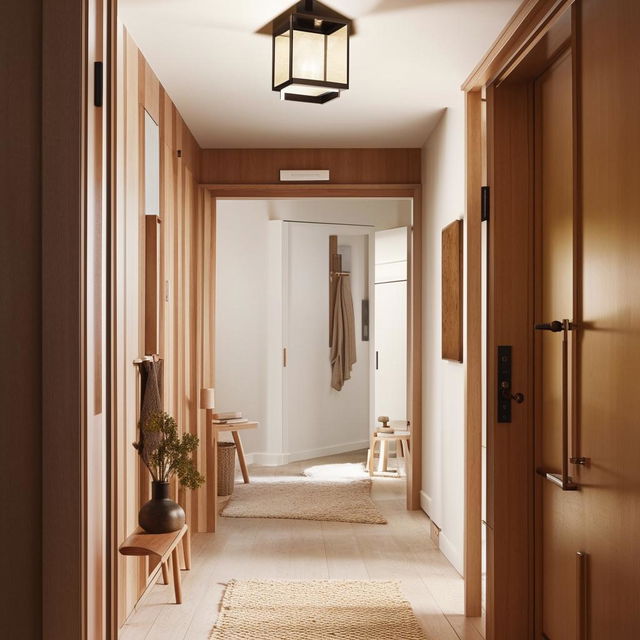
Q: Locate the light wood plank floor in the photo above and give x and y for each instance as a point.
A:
(297, 550)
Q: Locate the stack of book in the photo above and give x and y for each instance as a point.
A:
(228, 417)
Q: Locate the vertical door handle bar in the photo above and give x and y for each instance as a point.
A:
(566, 480)
(563, 480)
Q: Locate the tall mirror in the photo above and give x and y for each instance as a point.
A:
(151, 162)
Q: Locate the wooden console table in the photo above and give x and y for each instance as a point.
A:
(213, 431)
(161, 546)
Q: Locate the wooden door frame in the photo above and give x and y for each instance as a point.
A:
(510, 458)
(71, 190)
(414, 315)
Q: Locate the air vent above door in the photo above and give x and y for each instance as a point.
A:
(304, 175)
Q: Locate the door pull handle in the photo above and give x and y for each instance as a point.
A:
(562, 480)
(566, 483)
(556, 326)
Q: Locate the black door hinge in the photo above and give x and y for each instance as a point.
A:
(484, 203)
(97, 83)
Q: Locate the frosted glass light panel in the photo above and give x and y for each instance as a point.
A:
(311, 58)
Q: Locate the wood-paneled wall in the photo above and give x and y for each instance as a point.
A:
(347, 166)
(184, 302)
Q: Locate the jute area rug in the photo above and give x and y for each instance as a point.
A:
(305, 498)
(316, 610)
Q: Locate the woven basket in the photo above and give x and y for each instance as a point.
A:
(226, 468)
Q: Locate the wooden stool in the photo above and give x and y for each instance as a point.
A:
(402, 449)
(161, 546)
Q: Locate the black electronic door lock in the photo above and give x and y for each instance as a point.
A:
(504, 385)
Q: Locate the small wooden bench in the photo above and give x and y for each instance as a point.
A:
(161, 546)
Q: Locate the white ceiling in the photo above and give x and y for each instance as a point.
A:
(408, 60)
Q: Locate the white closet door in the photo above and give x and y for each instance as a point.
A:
(318, 419)
(391, 349)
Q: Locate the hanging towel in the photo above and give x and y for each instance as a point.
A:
(343, 340)
(151, 372)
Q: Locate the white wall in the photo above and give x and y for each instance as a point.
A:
(242, 284)
(443, 386)
(249, 302)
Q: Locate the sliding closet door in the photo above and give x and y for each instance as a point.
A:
(318, 419)
(391, 323)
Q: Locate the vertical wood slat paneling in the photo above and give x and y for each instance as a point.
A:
(131, 571)
(184, 242)
(473, 350)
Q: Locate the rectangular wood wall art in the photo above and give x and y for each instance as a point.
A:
(452, 292)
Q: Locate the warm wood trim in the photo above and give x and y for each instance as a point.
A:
(312, 190)
(413, 191)
(414, 475)
(474, 390)
(212, 471)
(112, 577)
(510, 464)
(526, 27)
(346, 166)
(64, 526)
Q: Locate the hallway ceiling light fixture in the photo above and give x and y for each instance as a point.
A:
(310, 55)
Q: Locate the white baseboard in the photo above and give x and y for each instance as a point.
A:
(451, 553)
(266, 459)
(327, 451)
(425, 503)
(278, 459)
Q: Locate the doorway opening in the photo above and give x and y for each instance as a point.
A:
(274, 318)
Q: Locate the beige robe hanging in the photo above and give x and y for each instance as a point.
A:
(343, 342)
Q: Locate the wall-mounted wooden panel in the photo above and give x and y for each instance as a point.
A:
(452, 291)
(152, 284)
(347, 166)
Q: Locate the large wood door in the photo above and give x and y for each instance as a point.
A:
(588, 258)
(608, 384)
(560, 521)
(563, 160)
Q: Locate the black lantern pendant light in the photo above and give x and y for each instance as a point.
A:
(310, 55)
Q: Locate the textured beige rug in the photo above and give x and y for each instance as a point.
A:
(317, 610)
(303, 498)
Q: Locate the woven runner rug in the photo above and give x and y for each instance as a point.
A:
(316, 610)
(304, 498)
